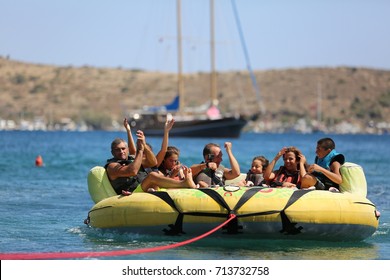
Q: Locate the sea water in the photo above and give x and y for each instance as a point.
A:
(43, 208)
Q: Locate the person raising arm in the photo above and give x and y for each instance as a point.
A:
(149, 160)
(289, 174)
(130, 141)
(164, 144)
(211, 171)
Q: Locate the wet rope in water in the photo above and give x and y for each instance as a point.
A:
(77, 255)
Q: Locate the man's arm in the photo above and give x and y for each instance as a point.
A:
(234, 172)
(130, 141)
(116, 170)
(197, 168)
(150, 159)
(334, 173)
(164, 144)
(268, 173)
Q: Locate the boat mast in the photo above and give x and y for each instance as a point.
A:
(213, 77)
(246, 54)
(180, 86)
(319, 102)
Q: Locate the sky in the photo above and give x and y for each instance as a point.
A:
(141, 34)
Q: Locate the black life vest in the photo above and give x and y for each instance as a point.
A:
(282, 175)
(211, 177)
(126, 183)
(256, 179)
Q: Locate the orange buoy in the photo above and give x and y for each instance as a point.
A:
(38, 161)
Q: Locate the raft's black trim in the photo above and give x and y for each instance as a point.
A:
(166, 198)
(177, 228)
(88, 219)
(109, 206)
(232, 227)
(217, 197)
(270, 212)
(287, 226)
(366, 203)
(246, 196)
(205, 214)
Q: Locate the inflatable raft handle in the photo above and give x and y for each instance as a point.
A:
(99, 185)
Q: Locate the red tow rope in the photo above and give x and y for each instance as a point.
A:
(77, 255)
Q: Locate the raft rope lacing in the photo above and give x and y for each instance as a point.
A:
(78, 255)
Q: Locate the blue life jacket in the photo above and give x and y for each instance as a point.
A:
(326, 162)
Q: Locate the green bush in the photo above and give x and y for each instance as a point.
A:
(18, 79)
(38, 88)
(384, 99)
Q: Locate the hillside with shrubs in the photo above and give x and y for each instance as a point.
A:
(99, 98)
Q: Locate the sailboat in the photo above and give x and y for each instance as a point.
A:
(205, 121)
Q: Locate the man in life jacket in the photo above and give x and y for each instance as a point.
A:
(128, 174)
(324, 174)
(290, 173)
(211, 171)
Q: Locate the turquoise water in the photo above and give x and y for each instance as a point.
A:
(43, 208)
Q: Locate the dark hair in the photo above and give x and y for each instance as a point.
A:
(207, 148)
(294, 150)
(263, 160)
(327, 143)
(297, 153)
(171, 150)
(116, 142)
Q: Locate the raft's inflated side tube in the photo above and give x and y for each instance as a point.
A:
(273, 212)
(236, 180)
(354, 180)
(99, 185)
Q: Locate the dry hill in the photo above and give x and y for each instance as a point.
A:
(99, 96)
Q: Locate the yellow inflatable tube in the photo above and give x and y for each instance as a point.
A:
(261, 212)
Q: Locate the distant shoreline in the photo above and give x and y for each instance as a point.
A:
(339, 100)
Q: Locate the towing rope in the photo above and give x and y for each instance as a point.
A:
(77, 255)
